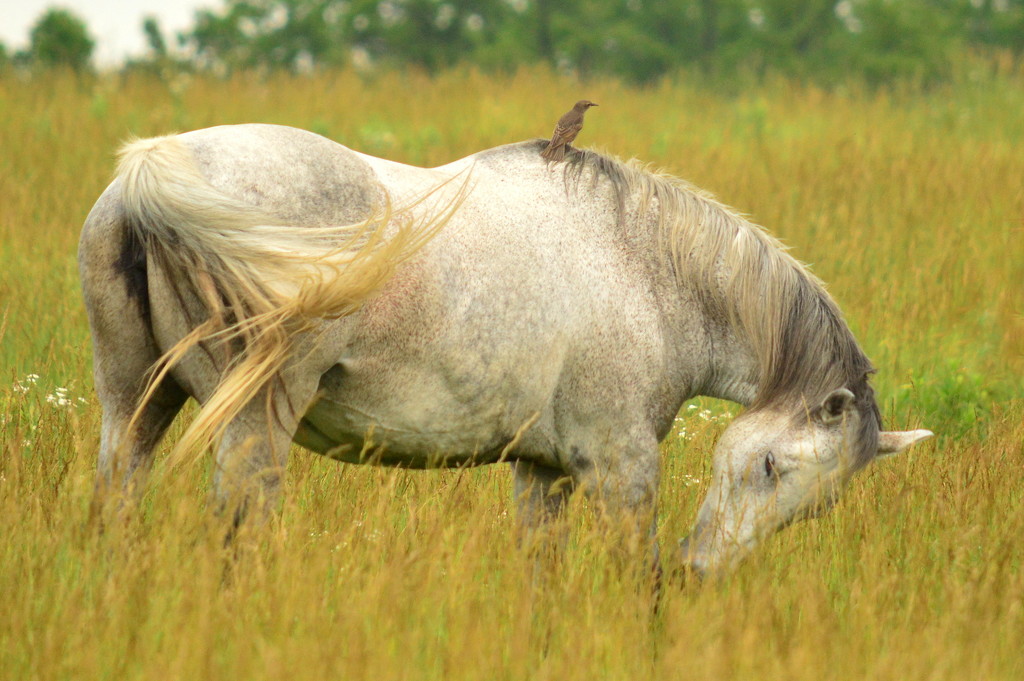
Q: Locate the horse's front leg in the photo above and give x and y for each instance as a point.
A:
(622, 482)
(540, 494)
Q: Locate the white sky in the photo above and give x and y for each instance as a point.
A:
(115, 25)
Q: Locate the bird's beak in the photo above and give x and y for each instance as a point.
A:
(593, 104)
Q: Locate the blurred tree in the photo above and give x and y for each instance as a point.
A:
(435, 33)
(225, 40)
(791, 35)
(59, 38)
(542, 25)
(640, 40)
(995, 23)
(637, 39)
(911, 38)
(154, 37)
(302, 34)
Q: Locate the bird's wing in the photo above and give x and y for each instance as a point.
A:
(566, 131)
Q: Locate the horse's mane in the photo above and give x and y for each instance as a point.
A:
(744, 277)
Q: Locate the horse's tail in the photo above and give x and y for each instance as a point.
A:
(261, 281)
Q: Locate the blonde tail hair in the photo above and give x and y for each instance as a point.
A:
(262, 282)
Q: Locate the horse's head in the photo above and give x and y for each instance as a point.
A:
(773, 467)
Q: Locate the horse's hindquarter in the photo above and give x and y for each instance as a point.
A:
(528, 313)
(297, 176)
(305, 179)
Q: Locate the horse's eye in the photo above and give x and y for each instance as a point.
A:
(769, 464)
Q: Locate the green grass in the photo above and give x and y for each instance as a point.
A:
(908, 204)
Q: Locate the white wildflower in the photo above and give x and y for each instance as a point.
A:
(58, 399)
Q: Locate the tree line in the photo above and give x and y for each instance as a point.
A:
(638, 40)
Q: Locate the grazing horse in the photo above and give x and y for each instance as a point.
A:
(498, 308)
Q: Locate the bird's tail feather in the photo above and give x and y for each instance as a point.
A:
(554, 152)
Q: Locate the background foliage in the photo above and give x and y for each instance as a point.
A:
(635, 39)
(58, 39)
(640, 40)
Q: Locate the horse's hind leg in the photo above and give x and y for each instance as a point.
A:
(126, 457)
(253, 451)
(112, 270)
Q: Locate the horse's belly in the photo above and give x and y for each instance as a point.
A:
(349, 434)
(408, 418)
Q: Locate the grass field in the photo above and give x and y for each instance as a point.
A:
(909, 204)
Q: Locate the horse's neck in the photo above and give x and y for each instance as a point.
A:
(728, 368)
(733, 374)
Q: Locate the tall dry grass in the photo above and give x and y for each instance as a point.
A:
(909, 204)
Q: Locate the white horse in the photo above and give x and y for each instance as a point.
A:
(499, 308)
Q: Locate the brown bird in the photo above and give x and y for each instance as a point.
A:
(566, 129)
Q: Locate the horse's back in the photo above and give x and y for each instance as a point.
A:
(302, 177)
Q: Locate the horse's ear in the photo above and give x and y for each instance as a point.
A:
(895, 441)
(834, 406)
